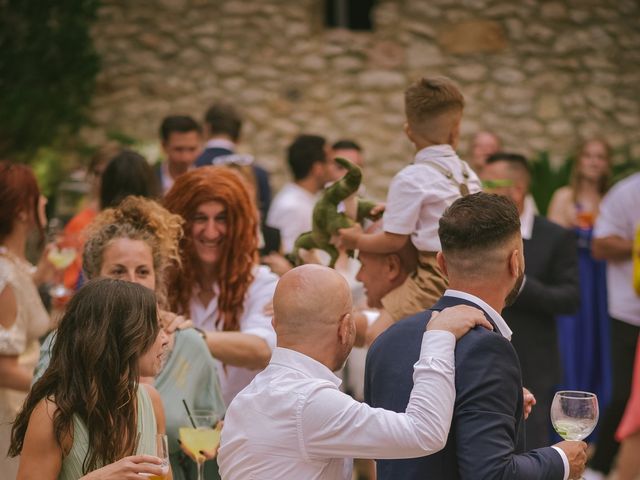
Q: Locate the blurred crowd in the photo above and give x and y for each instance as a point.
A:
(203, 231)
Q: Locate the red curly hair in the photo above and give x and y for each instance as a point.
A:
(239, 252)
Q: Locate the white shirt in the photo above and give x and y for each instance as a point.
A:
(419, 194)
(291, 212)
(527, 218)
(253, 321)
(620, 215)
(293, 423)
(506, 332)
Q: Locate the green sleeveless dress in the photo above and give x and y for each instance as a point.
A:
(72, 463)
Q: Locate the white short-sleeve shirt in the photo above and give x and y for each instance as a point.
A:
(620, 215)
(291, 212)
(420, 193)
(253, 321)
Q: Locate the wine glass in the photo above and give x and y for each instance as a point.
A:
(574, 414)
(62, 254)
(202, 435)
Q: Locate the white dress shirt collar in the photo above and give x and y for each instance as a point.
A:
(505, 331)
(285, 357)
(220, 143)
(527, 218)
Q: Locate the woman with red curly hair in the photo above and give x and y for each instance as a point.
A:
(23, 317)
(221, 285)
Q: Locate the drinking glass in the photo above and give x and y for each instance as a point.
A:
(61, 255)
(162, 452)
(203, 437)
(574, 414)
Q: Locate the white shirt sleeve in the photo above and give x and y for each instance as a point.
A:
(404, 202)
(254, 320)
(613, 218)
(335, 425)
(565, 462)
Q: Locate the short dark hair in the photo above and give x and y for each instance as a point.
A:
(303, 153)
(128, 173)
(515, 161)
(223, 118)
(478, 222)
(346, 145)
(178, 123)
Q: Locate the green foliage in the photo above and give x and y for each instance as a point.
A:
(546, 179)
(48, 66)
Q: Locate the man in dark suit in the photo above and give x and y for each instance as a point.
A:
(181, 138)
(222, 126)
(482, 257)
(551, 288)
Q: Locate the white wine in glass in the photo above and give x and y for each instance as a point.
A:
(574, 414)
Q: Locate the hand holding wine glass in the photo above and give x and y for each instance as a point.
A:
(574, 415)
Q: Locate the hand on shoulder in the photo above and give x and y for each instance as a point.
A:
(458, 320)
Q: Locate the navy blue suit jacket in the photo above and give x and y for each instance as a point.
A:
(486, 440)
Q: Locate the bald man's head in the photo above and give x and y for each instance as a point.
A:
(310, 297)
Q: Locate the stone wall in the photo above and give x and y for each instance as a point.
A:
(543, 74)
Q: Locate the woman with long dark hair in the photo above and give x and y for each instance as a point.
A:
(87, 416)
(221, 285)
(135, 241)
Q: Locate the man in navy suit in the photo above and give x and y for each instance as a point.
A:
(482, 257)
(222, 126)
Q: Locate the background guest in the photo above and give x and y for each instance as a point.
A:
(613, 234)
(221, 286)
(350, 150)
(68, 427)
(292, 207)
(585, 336)
(128, 173)
(23, 318)
(181, 138)
(483, 145)
(628, 433)
(223, 125)
(550, 288)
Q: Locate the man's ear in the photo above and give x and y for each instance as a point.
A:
(514, 263)
(442, 263)
(454, 136)
(344, 329)
(274, 322)
(393, 266)
(408, 132)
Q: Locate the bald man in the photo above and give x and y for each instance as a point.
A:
(292, 422)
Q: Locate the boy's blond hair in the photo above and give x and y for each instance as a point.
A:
(433, 106)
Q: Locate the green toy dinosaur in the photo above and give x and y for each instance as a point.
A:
(326, 218)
